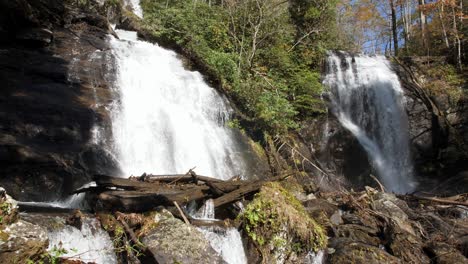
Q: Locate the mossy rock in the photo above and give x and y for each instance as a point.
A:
(22, 242)
(172, 241)
(8, 209)
(279, 225)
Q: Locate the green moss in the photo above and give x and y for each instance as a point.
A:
(257, 148)
(275, 216)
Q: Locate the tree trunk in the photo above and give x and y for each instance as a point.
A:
(444, 30)
(394, 27)
(422, 24)
(457, 41)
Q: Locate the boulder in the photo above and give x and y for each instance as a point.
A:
(358, 233)
(8, 209)
(172, 241)
(349, 251)
(402, 240)
(22, 241)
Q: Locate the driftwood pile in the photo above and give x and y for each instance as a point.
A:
(138, 194)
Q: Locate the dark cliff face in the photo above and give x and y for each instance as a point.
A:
(438, 126)
(55, 76)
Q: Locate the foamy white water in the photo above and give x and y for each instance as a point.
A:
(226, 242)
(168, 119)
(368, 100)
(90, 244)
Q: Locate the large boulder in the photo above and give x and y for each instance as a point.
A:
(22, 242)
(402, 239)
(172, 241)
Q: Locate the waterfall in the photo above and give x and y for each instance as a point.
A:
(226, 242)
(368, 100)
(89, 244)
(168, 119)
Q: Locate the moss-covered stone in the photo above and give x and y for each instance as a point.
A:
(8, 209)
(22, 241)
(279, 225)
(172, 241)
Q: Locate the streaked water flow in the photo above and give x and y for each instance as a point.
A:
(368, 100)
(168, 119)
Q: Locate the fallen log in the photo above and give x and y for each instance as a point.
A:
(149, 191)
(178, 178)
(137, 201)
(244, 190)
(237, 194)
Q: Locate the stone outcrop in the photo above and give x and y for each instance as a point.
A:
(437, 119)
(55, 73)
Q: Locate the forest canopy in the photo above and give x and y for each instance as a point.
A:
(268, 54)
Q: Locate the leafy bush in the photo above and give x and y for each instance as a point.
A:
(250, 46)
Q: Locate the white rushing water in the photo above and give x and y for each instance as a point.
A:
(227, 242)
(368, 100)
(89, 244)
(168, 119)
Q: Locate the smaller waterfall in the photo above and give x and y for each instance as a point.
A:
(90, 244)
(227, 242)
(367, 99)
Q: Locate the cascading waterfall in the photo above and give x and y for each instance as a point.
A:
(227, 242)
(368, 100)
(90, 243)
(168, 120)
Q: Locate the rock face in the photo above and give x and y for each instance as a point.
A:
(437, 120)
(55, 77)
(172, 241)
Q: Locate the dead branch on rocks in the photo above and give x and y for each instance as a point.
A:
(137, 194)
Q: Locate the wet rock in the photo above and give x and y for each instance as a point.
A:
(172, 241)
(445, 254)
(35, 36)
(386, 205)
(76, 219)
(358, 233)
(402, 240)
(336, 219)
(53, 95)
(22, 241)
(349, 251)
(318, 207)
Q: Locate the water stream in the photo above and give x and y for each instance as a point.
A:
(368, 100)
(227, 242)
